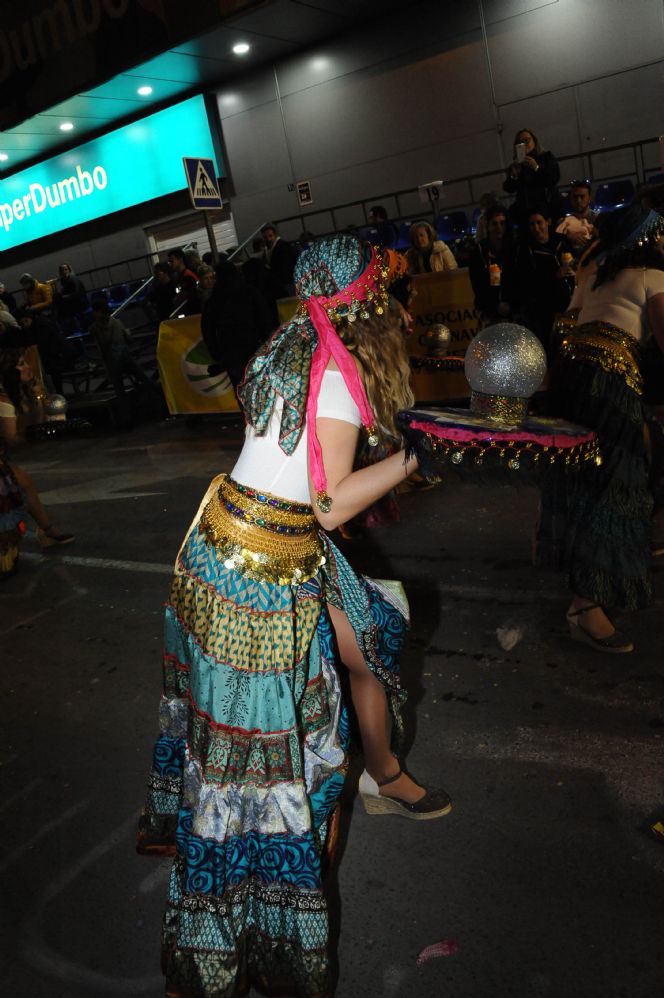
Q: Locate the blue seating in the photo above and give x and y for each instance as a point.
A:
(403, 238)
(656, 178)
(613, 194)
(116, 295)
(450, 227)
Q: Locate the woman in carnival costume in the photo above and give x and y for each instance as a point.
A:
(597, 382)
(21, 398)
(254, 732)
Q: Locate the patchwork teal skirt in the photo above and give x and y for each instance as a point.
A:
(252, 755)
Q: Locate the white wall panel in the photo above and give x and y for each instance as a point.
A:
(257, 150)
(551, 116)
(622, 108)
(371, 115)
(572, 41)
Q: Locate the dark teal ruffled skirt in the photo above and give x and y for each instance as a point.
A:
(599, 520)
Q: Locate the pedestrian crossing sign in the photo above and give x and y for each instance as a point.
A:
(202, 182)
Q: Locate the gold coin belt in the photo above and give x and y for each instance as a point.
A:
(261, 535)
(615, 351)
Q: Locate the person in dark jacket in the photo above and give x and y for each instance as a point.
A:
(545, 276)
(235, 322)
(532, 177)
(491, 269)
(7, 298)
(162, 291)
(55, 352)
(70, 299)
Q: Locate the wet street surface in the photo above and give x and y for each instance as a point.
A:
(542, 881)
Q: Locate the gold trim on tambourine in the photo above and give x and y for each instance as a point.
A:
(269, 539)
(607, 346)
(515, 454)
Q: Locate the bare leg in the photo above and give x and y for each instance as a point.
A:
(372, 712)
(594, 621)
(34, 504)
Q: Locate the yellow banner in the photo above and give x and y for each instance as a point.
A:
(183, 368)
(445, 299)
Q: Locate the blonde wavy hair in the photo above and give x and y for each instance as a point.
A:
(379, 347)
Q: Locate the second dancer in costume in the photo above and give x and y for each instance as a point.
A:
(263, 608)
(619, 301)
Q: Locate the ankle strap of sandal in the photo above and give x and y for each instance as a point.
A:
(390, 779)
(593, 606)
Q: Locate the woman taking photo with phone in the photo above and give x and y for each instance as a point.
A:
(532, 177)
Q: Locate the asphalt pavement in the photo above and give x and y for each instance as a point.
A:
(541, 883)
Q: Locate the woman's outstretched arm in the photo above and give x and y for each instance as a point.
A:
(352, 491)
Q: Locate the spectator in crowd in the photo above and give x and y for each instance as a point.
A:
(545, 275)
(70, 299)
(186, 283)
(55, 353)
(7, 318)
(21, 403)
(38, 295)
(491, 269)
(580, 225)
(7, 299)
(112, 338)
(193, 259)
(532, 177)
(206, 278)
(386, 231)
(235, 321)
(279, 258)
(162, 291)
(208, 259)
(257, 275)
(487, 201)
(428, 254)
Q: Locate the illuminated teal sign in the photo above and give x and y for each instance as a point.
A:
(124, 168)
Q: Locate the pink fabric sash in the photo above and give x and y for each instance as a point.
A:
(329, 345)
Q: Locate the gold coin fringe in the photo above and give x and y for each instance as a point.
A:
(608, 347)
(513, 453)
(265, 543)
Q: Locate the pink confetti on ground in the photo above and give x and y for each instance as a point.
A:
(446, 947)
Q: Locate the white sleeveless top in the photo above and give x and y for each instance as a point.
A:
(622, 301)
(262, 463)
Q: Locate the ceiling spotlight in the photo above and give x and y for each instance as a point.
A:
(241, 48)
(66, 126)
(3, 157)
(144, 91)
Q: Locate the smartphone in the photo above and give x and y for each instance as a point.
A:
(520, 152)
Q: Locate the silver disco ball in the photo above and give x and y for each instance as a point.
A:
(506, 360)
(437, 340)
(55, 407)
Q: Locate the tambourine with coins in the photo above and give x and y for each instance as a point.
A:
(497, 438)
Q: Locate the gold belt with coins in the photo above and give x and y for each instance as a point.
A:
(261, 535)
(608, 346)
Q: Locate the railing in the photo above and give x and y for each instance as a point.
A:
(465, 193)
(468, 189)
(146, 283)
